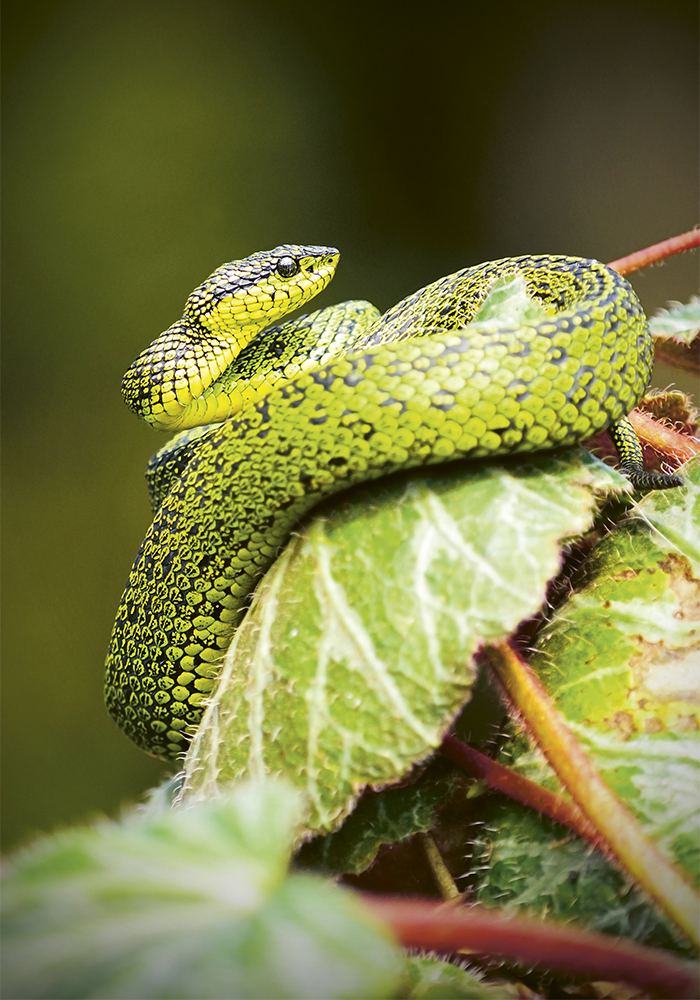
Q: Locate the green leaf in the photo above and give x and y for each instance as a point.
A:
(620, 662)
(680, 322)
(357, 652)
(385, 817)
(527, 863)
(508, 304)
(193, 903)
(430, 978)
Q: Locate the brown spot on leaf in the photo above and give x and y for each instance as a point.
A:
(684, 585)
(666, 673)
(624, 723)
(686, 723)
(653, 725)
(626, 574)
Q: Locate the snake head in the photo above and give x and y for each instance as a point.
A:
(221, 317)
(244, 296)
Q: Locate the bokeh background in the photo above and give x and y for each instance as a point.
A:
(147, 142)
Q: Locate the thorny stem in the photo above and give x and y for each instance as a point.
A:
(659, 251)
(515, 786)
(664, 440)
(638, 855)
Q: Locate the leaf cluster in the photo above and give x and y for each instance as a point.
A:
(361, 651)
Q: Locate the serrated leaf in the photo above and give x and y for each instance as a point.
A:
(385, 817)
(357, 651)
(676, 515)
(621, 663)
(528, 863)
(680, 322)
(428, 977)
(193, 904)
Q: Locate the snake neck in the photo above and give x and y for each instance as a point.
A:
(178, 366)
(221, 317)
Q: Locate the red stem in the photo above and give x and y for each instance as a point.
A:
(664, 440)
(419, 923)
(659, 251)
(515, 786)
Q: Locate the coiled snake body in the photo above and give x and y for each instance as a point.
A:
(370, 396)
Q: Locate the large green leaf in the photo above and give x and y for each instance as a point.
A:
(192, 903)
(357, 652)
(620, 660)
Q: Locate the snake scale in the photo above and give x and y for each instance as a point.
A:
(343, 396)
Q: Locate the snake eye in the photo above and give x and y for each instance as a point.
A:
(287, 266)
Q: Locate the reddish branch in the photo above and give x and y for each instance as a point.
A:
(515, 786)
(657, 252)
(419, 923)
(663, 439)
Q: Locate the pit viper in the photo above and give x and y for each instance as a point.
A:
(316, 404)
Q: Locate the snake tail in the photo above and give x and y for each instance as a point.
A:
(629, 449)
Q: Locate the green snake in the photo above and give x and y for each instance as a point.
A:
(314, 405)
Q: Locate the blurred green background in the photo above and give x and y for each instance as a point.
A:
(148, 142)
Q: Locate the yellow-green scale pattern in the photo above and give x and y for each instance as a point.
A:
(221, 317)
(276, 356)
(390, 405)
